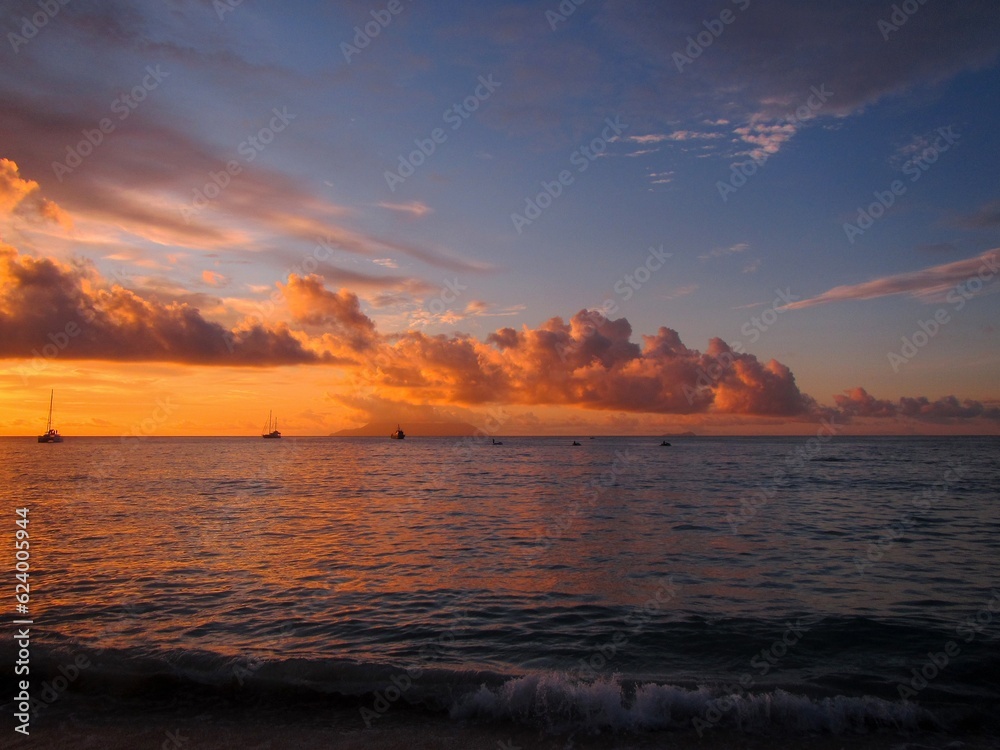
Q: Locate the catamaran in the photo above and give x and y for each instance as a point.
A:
(398, 434)
(271, 428)
(51, 434)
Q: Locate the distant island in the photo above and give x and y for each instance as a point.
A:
(413, 429)
(680, 434)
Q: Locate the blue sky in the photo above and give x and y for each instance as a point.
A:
(818, 103)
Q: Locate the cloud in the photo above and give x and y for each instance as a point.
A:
(722, 252)
(13, 188)
(589, 361)
(765, 139)
(214, 279)
(338, 314)
(21, 196)
(475, 309)
(857, 402)
(985, 217)
(681, 291)
(928, 284)
(661, 178)
(46, 305)
(643, 139)
(414, 208)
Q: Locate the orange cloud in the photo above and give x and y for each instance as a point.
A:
(929, 284)
(214, 279)
(338, 313)
(19, 194)
(13, 189)
(44, 303)
(857, 402)
(591, 362)
(588, 362)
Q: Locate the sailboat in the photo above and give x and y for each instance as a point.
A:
(51, 434)
(398, 434)
(271, 428)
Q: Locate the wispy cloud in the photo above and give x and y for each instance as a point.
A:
(681, 291)
(414, 208)
(928, 284)
(722, 252)
(984, 217)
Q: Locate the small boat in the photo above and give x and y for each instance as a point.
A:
(398, 434)
(575, 443)
(271, 429)
(664, 444)
(51, 434)
(495, 442)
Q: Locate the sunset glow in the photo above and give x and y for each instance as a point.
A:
(228, 212)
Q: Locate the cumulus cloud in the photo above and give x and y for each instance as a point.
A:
(928, 284)
(338, 314)
(13, 188)
(589, 361)
(44, 303)
(22, 196)
(857, 402)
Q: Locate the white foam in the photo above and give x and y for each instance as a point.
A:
(559, 703)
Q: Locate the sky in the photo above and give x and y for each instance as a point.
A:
(573, 217)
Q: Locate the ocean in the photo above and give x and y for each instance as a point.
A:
(446, 592)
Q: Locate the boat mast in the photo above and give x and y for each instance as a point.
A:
(52, 393)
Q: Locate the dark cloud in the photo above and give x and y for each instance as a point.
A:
(984, 217)
(949, 409)
(45, 304)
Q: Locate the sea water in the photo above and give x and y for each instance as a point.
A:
(749, 585)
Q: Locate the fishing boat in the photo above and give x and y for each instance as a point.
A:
(271, 429)
(398, 434)
(51, 434)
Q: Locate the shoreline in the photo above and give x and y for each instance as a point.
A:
(184, 724)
